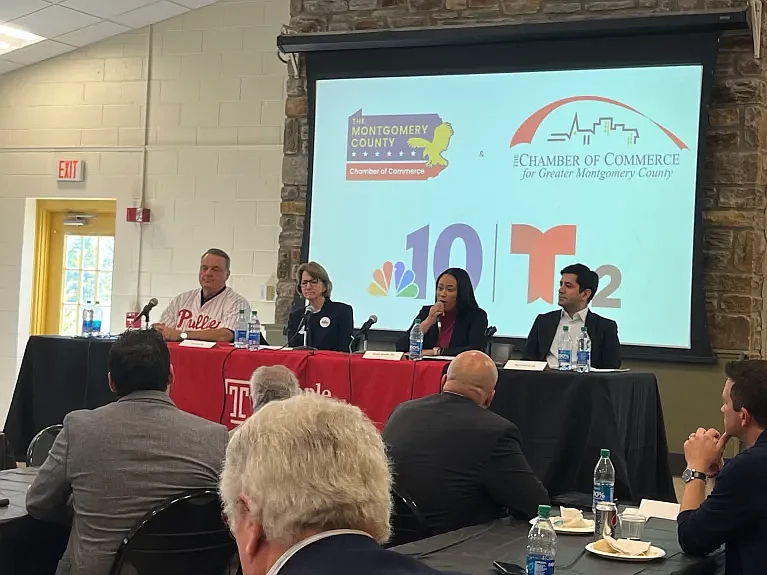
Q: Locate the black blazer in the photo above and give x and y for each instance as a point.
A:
(468, 333)
(351, 554)
(461, 464)
(331, 328)
(605, 347)
(734, 514)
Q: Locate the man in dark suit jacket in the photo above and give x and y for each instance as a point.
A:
(306, 490)
(116, 463)
(735, 513)
(577, 288)
(459, 462)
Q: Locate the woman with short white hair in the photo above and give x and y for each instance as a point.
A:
(305, 488)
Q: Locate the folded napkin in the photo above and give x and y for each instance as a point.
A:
(572, 518)
(628, 546)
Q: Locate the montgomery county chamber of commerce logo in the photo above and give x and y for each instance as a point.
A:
(608, 139)
(402, 286)
(396, 147)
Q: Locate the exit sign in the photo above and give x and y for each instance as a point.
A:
(71, 171)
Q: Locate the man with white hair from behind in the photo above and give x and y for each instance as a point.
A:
(306, 490)
(272, 383)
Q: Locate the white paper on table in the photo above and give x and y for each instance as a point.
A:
(659, 509)
(385, 355)
(608, 370)
(520, 365)
(275, 347)
(439, 357)
(197, 343)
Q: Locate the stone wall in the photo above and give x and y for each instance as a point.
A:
(735, 169)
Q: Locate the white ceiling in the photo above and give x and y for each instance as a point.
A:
(71, 24)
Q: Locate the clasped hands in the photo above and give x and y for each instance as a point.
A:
(704, 451)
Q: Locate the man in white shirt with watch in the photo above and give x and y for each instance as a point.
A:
(208, 313)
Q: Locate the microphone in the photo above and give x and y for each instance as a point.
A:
(367, 325)
(305, 324)
(147, 308)
(362, 332)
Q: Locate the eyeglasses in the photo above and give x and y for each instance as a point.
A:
(313, 282)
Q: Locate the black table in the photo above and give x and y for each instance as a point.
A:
(27, 545)
(58, 375)
(472, 551)
(567, 417)
(13, 485)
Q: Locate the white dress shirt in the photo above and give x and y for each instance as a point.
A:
(574, 325)
(285, 557)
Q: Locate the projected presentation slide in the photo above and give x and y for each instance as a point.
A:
(512, 177)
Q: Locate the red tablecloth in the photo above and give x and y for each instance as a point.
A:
(213, 383)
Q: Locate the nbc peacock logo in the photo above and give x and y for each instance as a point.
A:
(403, 284)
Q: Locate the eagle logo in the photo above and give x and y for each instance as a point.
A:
(432, 150)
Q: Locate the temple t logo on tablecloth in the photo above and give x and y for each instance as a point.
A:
(241, 407)
(239, 390)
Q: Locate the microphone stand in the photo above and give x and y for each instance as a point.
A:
(305, 324)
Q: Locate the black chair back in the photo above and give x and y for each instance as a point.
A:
(41, 444)
(184, 535)
(408, 523)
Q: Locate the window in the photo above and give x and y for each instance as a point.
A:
(87, 267)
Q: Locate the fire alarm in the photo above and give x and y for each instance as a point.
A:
(139, 215)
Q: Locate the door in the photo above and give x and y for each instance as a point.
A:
(78, 265)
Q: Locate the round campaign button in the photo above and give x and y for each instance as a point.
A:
(325, 322)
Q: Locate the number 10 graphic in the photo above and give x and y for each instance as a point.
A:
(540, 247)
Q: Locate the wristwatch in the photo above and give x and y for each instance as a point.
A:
(183, 335)
(690, 474)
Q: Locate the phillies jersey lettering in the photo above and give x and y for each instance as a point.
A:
(186, 313)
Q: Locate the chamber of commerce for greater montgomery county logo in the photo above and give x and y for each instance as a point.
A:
(612, 141)
(396, 147)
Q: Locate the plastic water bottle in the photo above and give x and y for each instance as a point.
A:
(583, 355)
(254, 332)
(604, 479)
(565, 350)
(541, 544)
(98, 315)
(241, 331)
(416, 341)
(87, 326)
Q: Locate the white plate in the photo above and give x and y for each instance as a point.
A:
(589, 530)
(655, 553)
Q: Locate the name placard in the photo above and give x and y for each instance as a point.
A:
(520, 365)
(197, 343)
(385, 355)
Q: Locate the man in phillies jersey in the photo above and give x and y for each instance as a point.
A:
(208, 313)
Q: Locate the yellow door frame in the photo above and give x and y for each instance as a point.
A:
(49, 254)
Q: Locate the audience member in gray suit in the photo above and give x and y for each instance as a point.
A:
(119, 461)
